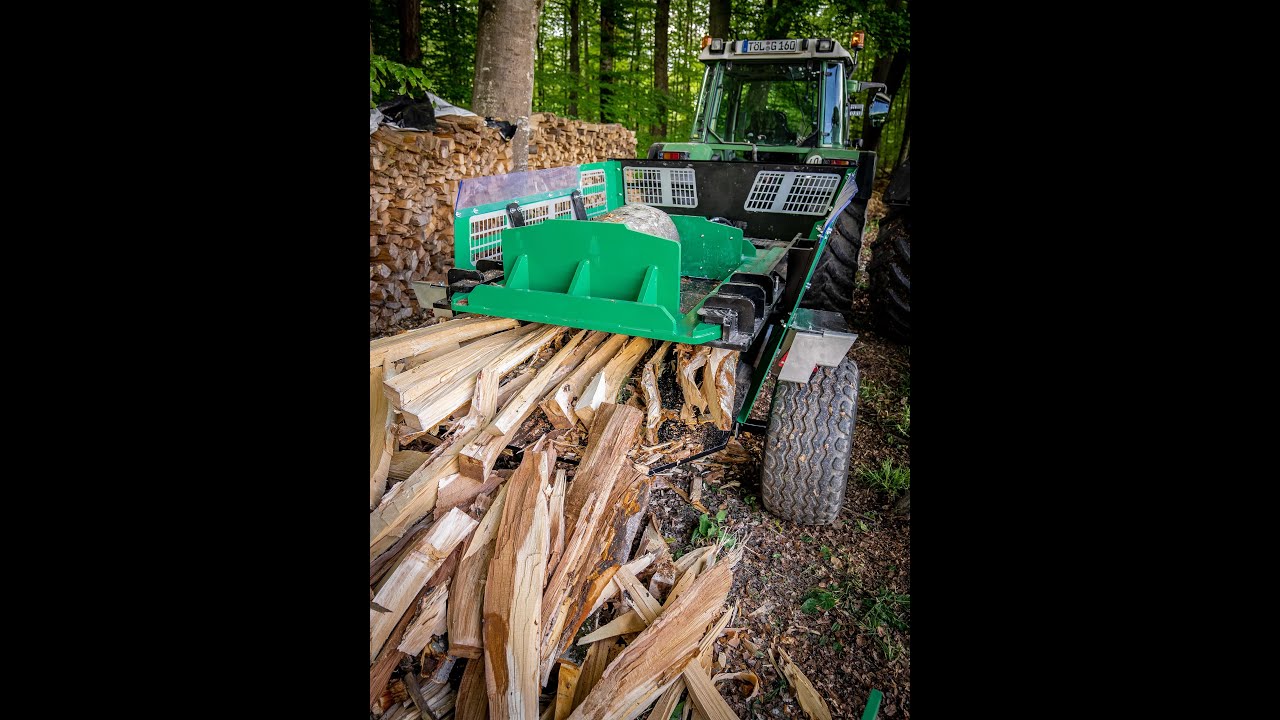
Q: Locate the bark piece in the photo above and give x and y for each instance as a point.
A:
(688, 359)
(652, 398)
(719, 383)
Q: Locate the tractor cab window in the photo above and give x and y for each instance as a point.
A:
(764, 104)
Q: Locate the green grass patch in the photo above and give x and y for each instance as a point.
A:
(889, 478)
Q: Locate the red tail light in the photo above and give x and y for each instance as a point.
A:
(838, 162)
(674, 155)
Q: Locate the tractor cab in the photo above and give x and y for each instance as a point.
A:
(787, 100)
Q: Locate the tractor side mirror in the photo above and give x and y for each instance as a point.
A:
(880, 109)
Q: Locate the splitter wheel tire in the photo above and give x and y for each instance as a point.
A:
(807, 450)
(831, 287)
(890, 272)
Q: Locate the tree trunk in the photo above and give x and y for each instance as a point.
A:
(506, 32)
(659, 128)
(905, 145)
(573, 58)
(410, 31)
(720, 19)
(889, 70)
(609, 12)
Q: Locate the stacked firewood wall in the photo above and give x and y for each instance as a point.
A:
(413, 182)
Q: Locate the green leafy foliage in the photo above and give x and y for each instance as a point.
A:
(709, 529)
(389, 79)
(448, 46)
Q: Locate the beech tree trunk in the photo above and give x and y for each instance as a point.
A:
(659, 128)
(574, 70)
(609, 13)
(410, 31)
(506, 34)
(720, 19)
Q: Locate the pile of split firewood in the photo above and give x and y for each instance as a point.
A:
(555, 141)
(545, 578)
(413, 184)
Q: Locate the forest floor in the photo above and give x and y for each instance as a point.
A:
(836, 598)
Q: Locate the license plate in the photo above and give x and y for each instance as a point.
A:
(768, 46)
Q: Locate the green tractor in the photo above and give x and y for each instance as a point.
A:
(788, 101)
(715, 242)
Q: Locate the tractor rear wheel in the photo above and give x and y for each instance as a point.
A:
(831, 287)
(890, 274)
(809, 443)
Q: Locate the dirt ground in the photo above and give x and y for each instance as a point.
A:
(853, 633)
(837, 597)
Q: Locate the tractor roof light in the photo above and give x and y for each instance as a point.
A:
(826, 44)
(706, 40)
(858, 40)
(717, 45)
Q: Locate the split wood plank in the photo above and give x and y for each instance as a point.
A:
(566, 683)
(556, 518)
(636, 567)
(388, 659)
(435, 407)
(666, 705)
(464, 614)
(473, 700)
(559, 407)
(429, 622)
(417, 496)
(640, 599)
(479, 457)
(513, 590)
(404, 462)
(382, 439)
(411, 574)
(587, 503)
(657, 657)
(631, 621)
(604, 387)
(598, 656)
(410, 386)
(418, 341)
(705, 697)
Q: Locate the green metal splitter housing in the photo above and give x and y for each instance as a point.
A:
(525, 249)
